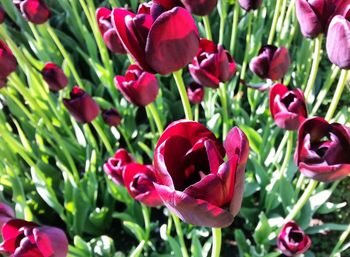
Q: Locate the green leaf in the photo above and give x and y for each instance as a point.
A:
(242, 242)
(262, 230)
(255, 140)
(196, 247)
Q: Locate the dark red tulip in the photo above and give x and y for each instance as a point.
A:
(2, 14)
(27, 239)
(139, 179)
(323, 150)
(195, 93)
(200, 7)
(109, 34)
(168, 4)
(81, 105)
(314, 16)
(212, 64)
(292, 240)
(193, 180)
(250, 4)
(111, 117)
(338, 41)
(35, 11)
(115, 165)
(288, 108)
(54, 77)
(271, 62)
(8, 63)
(6, 213)
(161, 43)
(139, 87)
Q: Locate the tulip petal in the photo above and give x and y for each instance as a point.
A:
(236, 143)
(325, 173)
(27, 249)
(280, 64)
(51, 241)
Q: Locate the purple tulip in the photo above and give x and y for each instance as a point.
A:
(200, 7)
(28, 239)
(111, 117)
(54, 77)
(195, 93)
(271, 63)
(139, 87)
(109, 34)
(115, 165)
(212, 65)
(193, 180)
(322, 151)
(250, 4)
(160, 43)
(81, 105)
(6, 213)
(35, 11)
(138, 180)
(288, 108)
(8, 63)
(292, 240)
(2, 15)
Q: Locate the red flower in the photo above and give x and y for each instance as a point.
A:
(193, 180)
(111, 117)
(28, 239)
(163, 42)
(212, 64)
(200, 7)
(139, 179)
(54, 77)
(8, 63)
(81, 105)
(35, 11)
(139, 87)
(322, 151)
(250, 4)
(115, 165)
(292, 240)
(195, 93)
(287, 107)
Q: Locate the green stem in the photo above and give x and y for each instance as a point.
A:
(169, 225)
(288, 154)
(223, 98)
(90, 136)
(337, 94)
(247, 44)
(153, 110)
(341, 240)
(180, 235)
(274, 22)
(103, 136)
(222, 26)
(216, 242)
(183, 94)
(299, 184)
(138, 250)
(234, 27)
(196, 112)
(314, 68)
(127, 141)
(146, 219)
(207, 27)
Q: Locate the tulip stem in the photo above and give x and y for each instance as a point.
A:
(288, 154)
(247, 44)
(138, 250)
(223, 98)
(180, 235)
(274, 22)
(127, 141)
(207, 27)
(216, 242)
(196, 112)
(314, 68)
(146, 219)
(183, 94)
(234, 27)
(103, 136)
(341, 240)
(337, 94)
(153, 110)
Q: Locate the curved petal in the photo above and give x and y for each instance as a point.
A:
(277, 90)
(279, 64)
(51, 241)
(325, 173)
(203, 77)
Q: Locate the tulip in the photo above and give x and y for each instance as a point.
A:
(288, 108)
(54, 77)
(8, 63)
(322, 151)
(81, 105)
(115, 165)
(35, 11)
(168, 4)
(200, 7)
(338, 41)
(212, 65)
(2, 14)
(271, 62)
(139, 179)
(250, 4)
(6, 213)
(111, 117)
(161, 43)
(139, 87)
(314, 16)
(193, 180)
(292, 240)
(109, 34)
(195, 93)
(23, 238)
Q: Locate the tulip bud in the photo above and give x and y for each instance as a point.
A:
(2, 14)
(314, 16)
(212, 65)
(35, 11)
(195, 93)
(250, 4)
(200, 7)
(322, 151)
(109, 34)
(338, 41)
(292, 240)
(115, 165)
(271, 62)
(138, 180)
(81, 105)
(23, 238)
(111, 117)
(8, 63)
(287, 107)
(138, 87)
(6, 213)
(54, 77)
